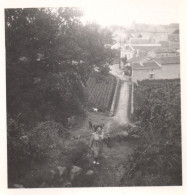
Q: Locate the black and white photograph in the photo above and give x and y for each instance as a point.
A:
(93, 95)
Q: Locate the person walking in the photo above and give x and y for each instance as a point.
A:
(96, 143)
(90, 124)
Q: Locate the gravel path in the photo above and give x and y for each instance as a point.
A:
(121, 116)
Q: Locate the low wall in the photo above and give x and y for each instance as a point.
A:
(115, 98)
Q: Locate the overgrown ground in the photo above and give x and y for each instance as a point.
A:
(75, 152)
(110, 170)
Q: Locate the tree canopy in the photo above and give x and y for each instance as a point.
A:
(49, 56)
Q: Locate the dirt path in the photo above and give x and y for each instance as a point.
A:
(110, 170)
(121, 116)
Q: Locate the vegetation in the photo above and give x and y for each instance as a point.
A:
(50, 55)
(157, 159)
(101, 92)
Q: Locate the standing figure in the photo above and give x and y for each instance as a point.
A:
(96, 143)
(90, 124)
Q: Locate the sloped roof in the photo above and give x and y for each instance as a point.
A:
(141, 41)
(128, 47)
(168, 60)
(146, 48)
(137, 59)
(164, 44)
(150, 28)
(145, 65)
(164, 50)
(115, 46)
(136, 66)
(151, 65)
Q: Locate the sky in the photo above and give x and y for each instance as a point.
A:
(125, 12)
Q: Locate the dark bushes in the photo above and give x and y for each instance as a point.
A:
(157, 159)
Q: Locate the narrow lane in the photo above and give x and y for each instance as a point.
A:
(121, 115)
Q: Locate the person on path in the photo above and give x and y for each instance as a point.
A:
(96, 143)
(90, 124)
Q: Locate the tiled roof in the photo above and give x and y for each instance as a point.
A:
(145, 65)
(127, 47)
(168, 60)
(137, 66)
(164, 50)
(140, 41)
(146, 48)
(164, 44)
(151, 64)
(151, 28)
(137, 59)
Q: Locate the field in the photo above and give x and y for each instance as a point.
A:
(100, 92)
(157, 113)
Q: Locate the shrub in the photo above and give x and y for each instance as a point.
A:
(27, 147)
(157, 159)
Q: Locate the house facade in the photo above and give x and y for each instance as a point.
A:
(146, 70)
(159, 68)
(170, 67)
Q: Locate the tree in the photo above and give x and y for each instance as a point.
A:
(49, 55)
(39, 49)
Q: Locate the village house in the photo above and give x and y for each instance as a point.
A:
(146, 70)
(163, 52)
(159, 68)
(128, 51)
(136, 47)
(170, 67)
(174, 42)
(155, 32)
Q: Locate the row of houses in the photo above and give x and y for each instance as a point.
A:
(150, 51)
(150, 60)
(145, 46)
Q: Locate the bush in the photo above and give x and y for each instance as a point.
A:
(28, 147)
(157, 159)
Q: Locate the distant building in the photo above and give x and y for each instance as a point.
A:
(170, 67)
(137, 47)
(155, 32)
(146, 70)
(159, 68)
(164, 52)
(173, 27)
(128, 51)
(173, 37)
(174, 41)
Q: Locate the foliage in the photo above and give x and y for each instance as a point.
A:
(18, 149)
(104, 71)
(101, 93)
(157, 159)
(35, 146)
(45, 45)
(49, 57)
(47, 135)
